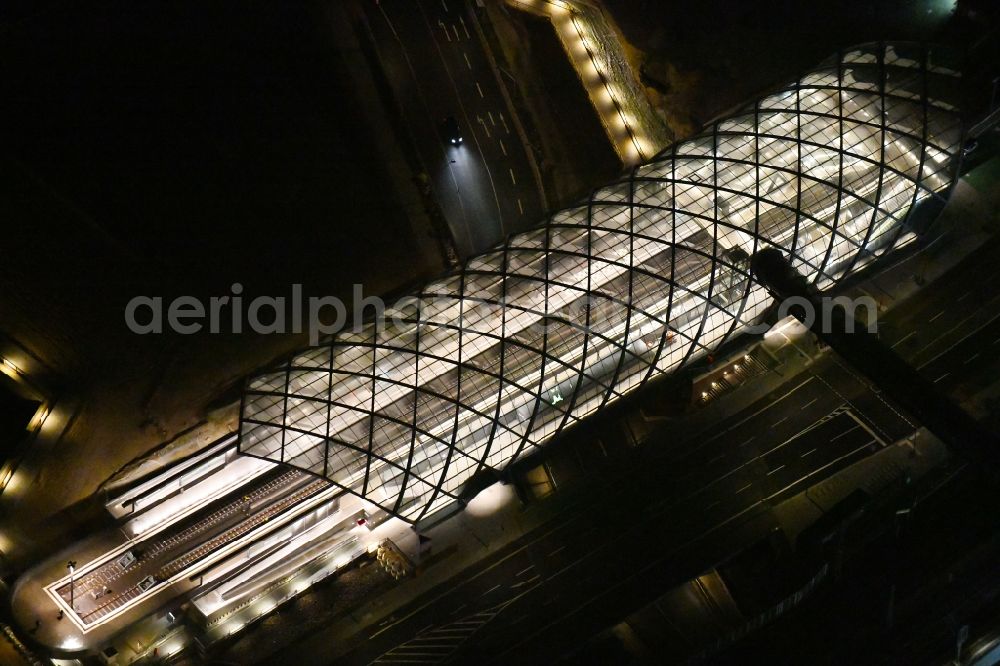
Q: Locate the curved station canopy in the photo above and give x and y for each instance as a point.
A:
(652, 271)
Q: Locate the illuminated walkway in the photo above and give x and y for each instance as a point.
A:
(648, 274)
(635, 130)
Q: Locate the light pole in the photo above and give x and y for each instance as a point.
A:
(71, 565)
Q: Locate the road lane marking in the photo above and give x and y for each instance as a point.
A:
(747, 441)
(941, 377)
(780, 421)
(846, 432)
(504, 121)
(492, 122)
(808, 403)
(973, 357)
(466, 56)
(904, 339)
(490, 590)
(867, 429)
(445, 28)
(718, 457)
(746, 487)
(391, 26)
(775, 470)
(736, 426)
(817, 471)
(525, 570)
(455, 28)
(512, 179)
(935, 316)
(713, 505)
(520, 207)
(960, 324)
(395, 622)
(481, 95)
(962, 297)
(464, 27)
(503, 149)
(557, 550)
(807, 453)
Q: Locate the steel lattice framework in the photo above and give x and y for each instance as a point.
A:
(651, 272)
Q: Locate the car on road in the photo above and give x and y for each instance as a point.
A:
(452, 133)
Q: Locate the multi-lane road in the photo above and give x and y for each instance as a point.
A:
(639, 532)
(945, 577)
(951, 331)
(436, 64)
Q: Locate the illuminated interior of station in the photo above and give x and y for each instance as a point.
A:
(648, 274)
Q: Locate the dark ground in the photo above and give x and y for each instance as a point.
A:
(167, 148)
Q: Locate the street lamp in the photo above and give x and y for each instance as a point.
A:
(71, 565)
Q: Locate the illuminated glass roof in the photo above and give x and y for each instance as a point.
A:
(650, 272)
